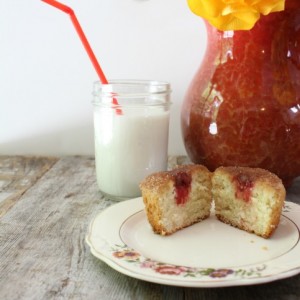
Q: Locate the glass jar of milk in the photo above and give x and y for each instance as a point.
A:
(131, 121)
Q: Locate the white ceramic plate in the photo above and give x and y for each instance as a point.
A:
(207, 254)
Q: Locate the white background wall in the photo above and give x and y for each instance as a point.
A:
(46, 77)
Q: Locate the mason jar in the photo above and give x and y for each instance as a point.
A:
(131, 128)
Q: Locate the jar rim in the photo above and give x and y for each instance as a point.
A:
(144, 88)
(132, 93)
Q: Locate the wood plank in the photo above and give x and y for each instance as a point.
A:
(293, 192)
(17, 174)
(42, 238)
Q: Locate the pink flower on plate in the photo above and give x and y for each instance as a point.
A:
(220, 273)
(148, 264)
(170, 270)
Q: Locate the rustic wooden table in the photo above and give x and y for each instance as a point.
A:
(46, 205)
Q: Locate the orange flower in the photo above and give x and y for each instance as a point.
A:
(234, 14)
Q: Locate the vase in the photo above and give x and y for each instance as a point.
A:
(242, 107)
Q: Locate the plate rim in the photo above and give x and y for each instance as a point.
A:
(126, 267)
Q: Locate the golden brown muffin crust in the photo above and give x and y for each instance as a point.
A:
(157, 181)
(254, 174)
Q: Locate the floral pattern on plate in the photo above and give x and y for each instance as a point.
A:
(123, 252)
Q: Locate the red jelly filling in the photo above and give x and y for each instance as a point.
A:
(244, 186)
(182, 187)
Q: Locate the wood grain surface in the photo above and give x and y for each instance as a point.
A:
(46, 205)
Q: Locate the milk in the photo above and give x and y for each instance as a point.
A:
(128, 147)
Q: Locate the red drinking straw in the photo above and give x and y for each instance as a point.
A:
(84, 41)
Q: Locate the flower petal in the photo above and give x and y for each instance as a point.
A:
(234, 14)
(266, 7)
